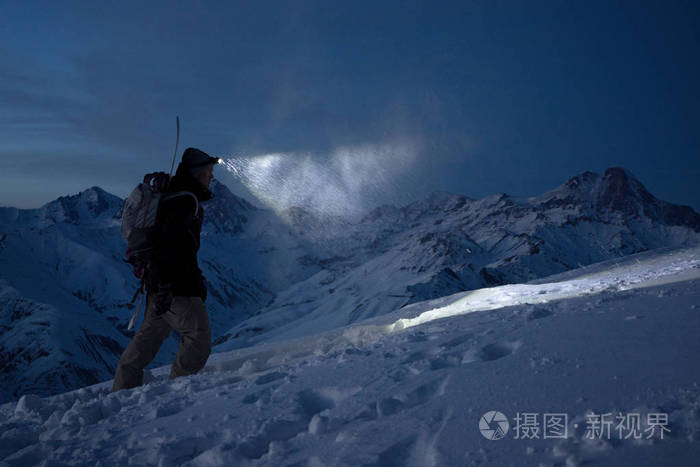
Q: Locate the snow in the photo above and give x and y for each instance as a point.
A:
(410, 386)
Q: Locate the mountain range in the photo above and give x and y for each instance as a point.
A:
(65, 291)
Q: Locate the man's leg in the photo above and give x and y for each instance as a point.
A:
(188, 317)
(141, 350)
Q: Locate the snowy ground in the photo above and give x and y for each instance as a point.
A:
(411, 387)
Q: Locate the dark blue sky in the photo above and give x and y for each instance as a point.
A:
(496, 96)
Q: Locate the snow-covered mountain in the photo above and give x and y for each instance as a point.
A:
(595, 366)
(275, 277)
(66, 291)
(450, 243)
(62, 284)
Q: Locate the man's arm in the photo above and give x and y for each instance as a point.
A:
(171, 247)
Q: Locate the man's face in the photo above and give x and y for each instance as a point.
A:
(205, 177)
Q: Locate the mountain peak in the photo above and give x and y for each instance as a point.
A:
(621, 191)
(619, 172)
(616, 190)
(86, 206)
(91, 195)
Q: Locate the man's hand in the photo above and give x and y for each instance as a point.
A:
(164, 298)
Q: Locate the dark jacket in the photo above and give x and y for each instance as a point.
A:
(174, 259)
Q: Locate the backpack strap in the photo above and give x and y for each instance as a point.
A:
(185, 193)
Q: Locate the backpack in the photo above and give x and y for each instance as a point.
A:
(140, 224)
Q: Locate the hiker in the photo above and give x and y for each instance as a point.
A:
(175, 286)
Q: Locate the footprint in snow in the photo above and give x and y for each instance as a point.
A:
(538, 313)
(311, 402)
(491, 352)
(498, 350)
(447, 361)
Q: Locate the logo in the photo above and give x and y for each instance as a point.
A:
(493, 425)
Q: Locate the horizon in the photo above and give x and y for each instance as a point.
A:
(259, 204)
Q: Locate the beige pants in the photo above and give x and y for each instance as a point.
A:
(187, 316)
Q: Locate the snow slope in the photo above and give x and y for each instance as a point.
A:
(410, 387)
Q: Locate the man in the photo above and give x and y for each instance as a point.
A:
(174, 283)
